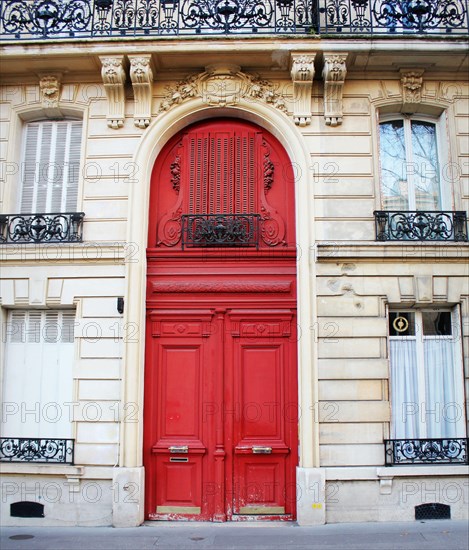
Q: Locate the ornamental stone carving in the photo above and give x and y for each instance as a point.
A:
(334, 77)
(302, 73)
(141, 76)
(113, 75)
(50, 88)
(411, 84)
(222, 85)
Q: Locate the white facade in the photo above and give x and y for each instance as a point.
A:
(347, 281)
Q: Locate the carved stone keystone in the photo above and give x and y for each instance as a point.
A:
(411, 84)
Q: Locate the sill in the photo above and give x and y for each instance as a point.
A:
(365, 473)
(44, 469)
(390, 472)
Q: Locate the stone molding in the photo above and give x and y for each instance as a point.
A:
(334, 73)
(411, 84)
(141, 76)
(220, 286)
(222, 85)
(302, 73)
(113, 75)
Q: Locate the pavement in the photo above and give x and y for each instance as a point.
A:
(417, 535)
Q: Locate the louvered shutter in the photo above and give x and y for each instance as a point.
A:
(222, 178)
(38, 377)
(50, 168)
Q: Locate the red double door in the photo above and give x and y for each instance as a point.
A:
(221, 409)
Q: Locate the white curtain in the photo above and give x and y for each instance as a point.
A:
(444, 403)
(405, 401)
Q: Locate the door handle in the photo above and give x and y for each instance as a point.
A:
(178, 449)
(262, 450)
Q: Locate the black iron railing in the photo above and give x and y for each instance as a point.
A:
(66, 227)
(389, 17)
(68, 19)
(426, 451)
(21, 449)
(420, 226)
(208, 230)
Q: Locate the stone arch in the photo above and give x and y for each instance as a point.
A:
(163, 128)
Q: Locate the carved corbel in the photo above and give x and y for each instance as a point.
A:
(302, 73)
(50, 87)
(142, 78)
(411, 84)
(113, 75)
(334, 77)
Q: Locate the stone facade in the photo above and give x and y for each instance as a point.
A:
(347, 280)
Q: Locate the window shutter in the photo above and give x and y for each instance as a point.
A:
(51, 159)
(222, 172)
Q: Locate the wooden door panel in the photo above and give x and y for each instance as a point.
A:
(179, 382)
(264, 444)
(261, 482)
(259, 392)
(179, 397)
(180, 485)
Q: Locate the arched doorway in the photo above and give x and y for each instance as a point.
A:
(220, 419)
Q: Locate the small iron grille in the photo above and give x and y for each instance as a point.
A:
(223, 230)
(432, 510)
(418, 225)
(426, 451)
(65, 227)
(25, 449)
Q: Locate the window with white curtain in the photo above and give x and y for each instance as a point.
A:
(50, 166)
(38, 374)
(427, 384)
(410, 160)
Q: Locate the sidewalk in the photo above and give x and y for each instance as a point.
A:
(435, 535)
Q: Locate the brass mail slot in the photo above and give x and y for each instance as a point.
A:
(178, 459)
(178, 449)
(262, 450)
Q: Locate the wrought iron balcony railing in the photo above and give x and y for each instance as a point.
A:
(426, 451)
(65, 227)
(21, 449)
(211, 230)
(420, 226)
(69, 19)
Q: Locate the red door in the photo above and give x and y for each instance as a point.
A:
(221, 423)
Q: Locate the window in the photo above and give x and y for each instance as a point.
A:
(410, 165)
(427, 382)
(38, 377)
(50, 166)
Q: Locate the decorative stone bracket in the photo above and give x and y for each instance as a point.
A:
(411, 84)
(141, 76)
(302, 73)
(113, 75)
(334, 77)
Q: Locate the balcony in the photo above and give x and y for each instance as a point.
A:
(220, 230)
(65, 227)
(409, 225)
(38, 450)
(426, 451)
(102, 19)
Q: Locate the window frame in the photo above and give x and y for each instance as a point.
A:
(419, 338)
(23, 166)
(439, 122)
